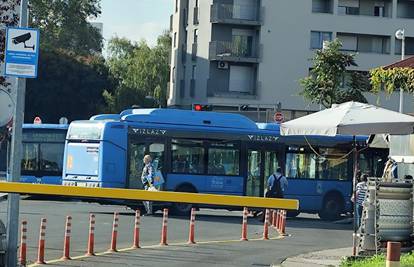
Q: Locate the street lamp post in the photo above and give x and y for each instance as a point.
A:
(400, 35)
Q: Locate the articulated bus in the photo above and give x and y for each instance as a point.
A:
(42, 153)
(218, 153)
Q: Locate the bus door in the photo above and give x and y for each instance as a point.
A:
(137, 149)
(261, 163)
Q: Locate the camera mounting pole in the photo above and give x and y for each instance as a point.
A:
(16, 154)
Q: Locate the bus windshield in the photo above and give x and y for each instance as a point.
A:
(85, 131)
(42, 157)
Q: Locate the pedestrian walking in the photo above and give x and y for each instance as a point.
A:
(147, 178)
(277, 184)
(361, 192)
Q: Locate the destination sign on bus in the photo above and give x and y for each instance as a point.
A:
(44, 137)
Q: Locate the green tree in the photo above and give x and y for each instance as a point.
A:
(140, 71)
(64, 25)
(323, 85)
(67, 86)
(389, 80)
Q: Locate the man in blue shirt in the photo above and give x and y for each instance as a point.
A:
(277, 184)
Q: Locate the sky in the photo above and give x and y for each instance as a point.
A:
(135, 19)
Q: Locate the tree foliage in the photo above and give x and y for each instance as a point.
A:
(66, 86)
(389, 80)
(140, 71)
(323, 85)
(63, 25)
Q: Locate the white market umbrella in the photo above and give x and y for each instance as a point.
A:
(351, 118)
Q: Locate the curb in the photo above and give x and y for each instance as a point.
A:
(330, 257)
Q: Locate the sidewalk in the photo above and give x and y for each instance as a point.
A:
(330, 257)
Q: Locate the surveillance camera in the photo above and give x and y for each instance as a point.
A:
(23, 39)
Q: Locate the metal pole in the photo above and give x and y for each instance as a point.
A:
(16, 147)
(354, 183)
(401, 89)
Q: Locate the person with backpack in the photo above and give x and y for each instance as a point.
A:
(276, 184)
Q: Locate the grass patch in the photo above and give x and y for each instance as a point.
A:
(407, 260)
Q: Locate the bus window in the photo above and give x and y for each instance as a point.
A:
(223, 159)
(253, 173)
(300, 165)
(156, 151)
(333, 164)
(271, 163)
(51, 157)
(136, 164)
(30, 157)
(187, 156)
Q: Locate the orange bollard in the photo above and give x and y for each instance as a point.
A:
(41, 248)
(66, 242)
(283, 223)
(266, 225)
(136, 229)
(244, 225)
(114, 232)
(191, 239)
(279, 221)
(91, 239)
(23, 246)
(164, 228)
(274, 218)
(393, 254)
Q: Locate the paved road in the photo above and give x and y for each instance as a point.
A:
(307, 234)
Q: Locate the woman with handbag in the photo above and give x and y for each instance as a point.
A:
(147, 178)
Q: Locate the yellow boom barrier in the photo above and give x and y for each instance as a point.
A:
(134, 194)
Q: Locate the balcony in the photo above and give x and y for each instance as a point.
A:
(365, 43)
(218, 88)
(236, 14)
(322, 6)
(366, 8)
(233, 52)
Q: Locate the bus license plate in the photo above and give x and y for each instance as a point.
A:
(81, 184)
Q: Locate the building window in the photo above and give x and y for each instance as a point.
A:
(175, 39)
(223, 159)
(176, 5)
(317, 39)
(187, 156)
(348, 7)
(195, 39)
(193, 72)
(322, 6)
(173, 73)
(379, 11)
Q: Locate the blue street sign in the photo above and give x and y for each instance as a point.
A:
(22, 52)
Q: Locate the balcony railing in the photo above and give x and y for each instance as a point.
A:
(216, 88)
(233, 51)
(235, 14)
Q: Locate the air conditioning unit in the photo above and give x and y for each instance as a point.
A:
(223, 65)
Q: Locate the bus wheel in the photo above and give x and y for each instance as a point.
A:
(332, 208)
(183, 209)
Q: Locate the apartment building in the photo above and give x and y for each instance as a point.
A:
(252, 53)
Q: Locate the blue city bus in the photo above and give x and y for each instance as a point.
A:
(218, 153)
(42, 153)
